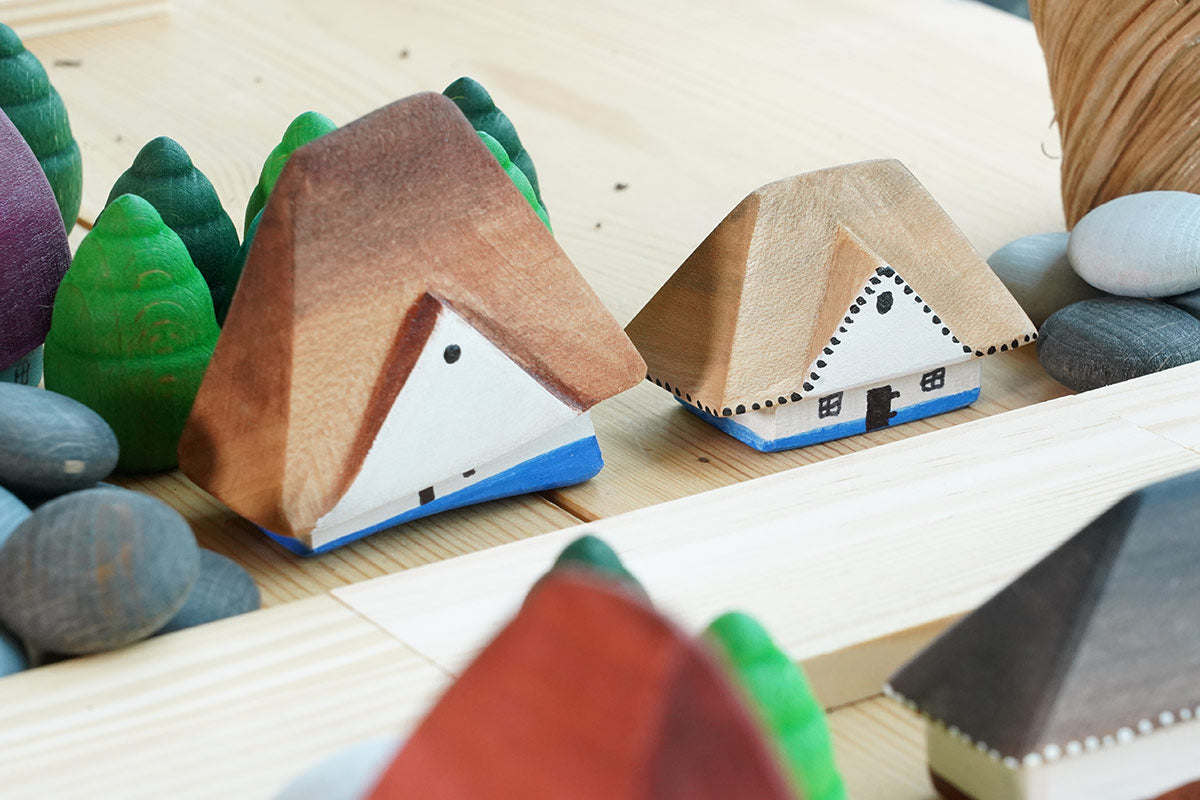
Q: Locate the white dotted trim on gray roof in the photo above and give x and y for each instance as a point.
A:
(1053, 752)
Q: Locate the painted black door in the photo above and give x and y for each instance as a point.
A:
(879, 407)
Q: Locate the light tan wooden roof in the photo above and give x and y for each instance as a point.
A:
(744, 317)
(367, 230)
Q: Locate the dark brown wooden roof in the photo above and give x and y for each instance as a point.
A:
(1101, 638)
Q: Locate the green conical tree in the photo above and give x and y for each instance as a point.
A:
(784, 703)
(518, 177)
(164, 175)
(303, 129)
(593, 553)
(37, 111)
(132, 332)
(478, 107)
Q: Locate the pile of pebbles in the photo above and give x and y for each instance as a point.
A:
(1119, 296)
(86, 567)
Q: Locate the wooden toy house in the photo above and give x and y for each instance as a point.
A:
(406, 337)
(825, 305)
(588, 694)
(34, 256)
(1082, 678)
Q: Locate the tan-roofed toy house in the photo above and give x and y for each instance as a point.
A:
(825, 305)
(406, 337)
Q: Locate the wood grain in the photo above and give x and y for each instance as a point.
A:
(30, 18)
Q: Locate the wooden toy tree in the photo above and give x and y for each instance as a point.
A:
(518, 178)
(303, 129)
(132, 331)
(479, 108)
(37, 111)
(164, 175)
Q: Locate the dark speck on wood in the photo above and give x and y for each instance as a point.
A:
(703, 459)
(68, 62)
(620, 187)
(404, 53)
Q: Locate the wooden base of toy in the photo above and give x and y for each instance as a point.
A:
(949, 791)
(815, 419)
(565, 456)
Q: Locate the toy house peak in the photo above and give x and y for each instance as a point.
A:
(1082, 671)
(393, 251)
(821, 284)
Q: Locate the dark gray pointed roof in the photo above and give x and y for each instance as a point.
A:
(1099, 639)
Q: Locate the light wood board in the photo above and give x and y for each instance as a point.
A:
(863, 548)
(31, 18)
(690, 122)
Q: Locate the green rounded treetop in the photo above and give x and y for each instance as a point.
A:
(784, 702)
(518, 177)
(477, 106)
(37, 111)
(132, 331)
(303, 129)
(593, 554)
(164, 175)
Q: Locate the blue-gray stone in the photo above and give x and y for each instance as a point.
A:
(1140, 245)
(223, 589)
(12, 513)
(1036, 271)
(26, 370)
(96, 570)
(12, 654)
(1099, 342)
(1189, 302)
(51, 444)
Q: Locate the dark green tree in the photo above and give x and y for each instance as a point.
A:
(132, 332)
(164, 175)
(37, 111)
(477, 105)
(593, 554)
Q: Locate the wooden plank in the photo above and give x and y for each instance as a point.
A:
(229, 710)
(880, 749)
(835, 554)
(32, 18)
(283, 576)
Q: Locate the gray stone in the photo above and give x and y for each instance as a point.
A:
(1035, 269)
(1140, 245)
(12, 654)
(348, 774)
(1189, 302)
(51, 444)
(96, 570)
(12, 513)
(1098, 342)
(222, 590)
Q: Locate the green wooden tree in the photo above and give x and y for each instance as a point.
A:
(303, 129)
(478, 107)
(784, 703)
(518, 177)
(37, 111)
(164, 175)
(593, 553)
(132, 331)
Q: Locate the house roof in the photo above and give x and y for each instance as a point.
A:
(34, 254)
(588, 694)
(748, 313)
(1099, 642)
(367, 232)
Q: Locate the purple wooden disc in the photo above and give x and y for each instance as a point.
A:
(34, 254)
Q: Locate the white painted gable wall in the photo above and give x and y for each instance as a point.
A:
(450, 418)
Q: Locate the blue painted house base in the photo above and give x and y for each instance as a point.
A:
(564, 466)
(839, 430)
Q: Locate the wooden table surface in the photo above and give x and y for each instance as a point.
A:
(690, 105)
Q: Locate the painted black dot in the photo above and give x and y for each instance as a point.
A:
(978, 352)
(795, 397)
(862, 301)
(848, 320)
(677, 392)
(755, 407)
(966, 348)
(741, 409)
(926, 309)
(917, 297)
(868, 290)
(883, 303)
(908, 290)
(827, 351)
(886, 272)
(814, 376)
(689, 398)
(1015, 344)
(1035, 336)
(854, 309)
(945, 331)
(874, 281)
(1003, 348)
(451, 353)
(936, 320)
(667, 386)
(808, 387)
(954, 339)
(727, 412)
(991, 350)
(782, 401)
(899, 280)
(820, 363)
(656, 380)
(836, 340)
(648, 377)
(768, 403)
(842, 329)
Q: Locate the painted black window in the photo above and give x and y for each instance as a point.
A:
(934, 380)
(883, 302)
(829, 405)
(451, 353)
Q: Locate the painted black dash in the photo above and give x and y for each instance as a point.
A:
(425, 495)
(468, 473)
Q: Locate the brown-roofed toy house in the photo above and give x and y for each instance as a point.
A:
(407, 337)
(1082, 678)
(588, 694)
(828, 304)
